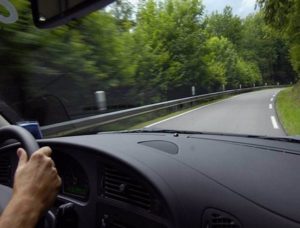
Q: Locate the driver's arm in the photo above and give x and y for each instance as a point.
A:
(35, 188)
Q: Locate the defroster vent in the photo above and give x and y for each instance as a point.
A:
(118, 185)
(213, 218)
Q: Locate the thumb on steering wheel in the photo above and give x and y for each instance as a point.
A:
(23, 158)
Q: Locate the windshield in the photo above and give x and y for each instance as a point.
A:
(214, 66)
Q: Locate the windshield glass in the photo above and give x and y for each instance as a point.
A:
(102, 70)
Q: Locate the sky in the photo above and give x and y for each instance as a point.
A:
(240, 7)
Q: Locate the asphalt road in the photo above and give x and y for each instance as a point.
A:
(250, 113)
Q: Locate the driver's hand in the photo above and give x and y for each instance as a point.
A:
(36, 180)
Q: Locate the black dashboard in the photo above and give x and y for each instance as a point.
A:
(161, 180)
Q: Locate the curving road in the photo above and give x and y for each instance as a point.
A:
(249, 113)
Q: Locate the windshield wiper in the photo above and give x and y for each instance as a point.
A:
(168, 131)
(164, 131)
(284, 139)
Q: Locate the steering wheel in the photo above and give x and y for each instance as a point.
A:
(30, 145)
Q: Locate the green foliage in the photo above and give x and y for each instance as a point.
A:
(165, 34)
(288, 106)
(295, 56)
(220, 59)
(225, 24)
(285, 16)
(248, 73)
(123, 13)
(268, 49)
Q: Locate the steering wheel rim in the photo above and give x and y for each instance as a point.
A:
(30, 145)
(27, 142)
(22, 135)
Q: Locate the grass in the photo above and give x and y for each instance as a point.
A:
(288, 109)
(144, 124)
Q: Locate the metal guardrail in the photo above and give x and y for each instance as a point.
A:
(79, 125)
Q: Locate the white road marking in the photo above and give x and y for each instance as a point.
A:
(274, 122)
(173, 117)
(274, 95)
(272, 99)
(270, 106)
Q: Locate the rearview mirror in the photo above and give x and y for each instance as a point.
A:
(53, 13)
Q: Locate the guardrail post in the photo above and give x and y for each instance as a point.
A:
(266, 84)
(240, 86)
(223, 87)
(100, 100)
(278, 84)
(193, 91)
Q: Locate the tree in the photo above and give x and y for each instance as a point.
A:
(248, 73)
(285, 16)
(123, 12)
(220, 59)
(170, 35)
(225, 24)
(227, 68)
(262, 45)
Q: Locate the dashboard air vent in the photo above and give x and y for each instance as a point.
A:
(5, 170)
(120, 186)
(218, 219)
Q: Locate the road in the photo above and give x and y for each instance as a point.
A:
(249, 113)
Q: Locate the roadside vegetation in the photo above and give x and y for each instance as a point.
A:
(284, 16)
(288, 109)
(143, 54)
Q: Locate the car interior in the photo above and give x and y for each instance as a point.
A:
(157, 178)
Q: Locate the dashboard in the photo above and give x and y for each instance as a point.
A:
(161, 180)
